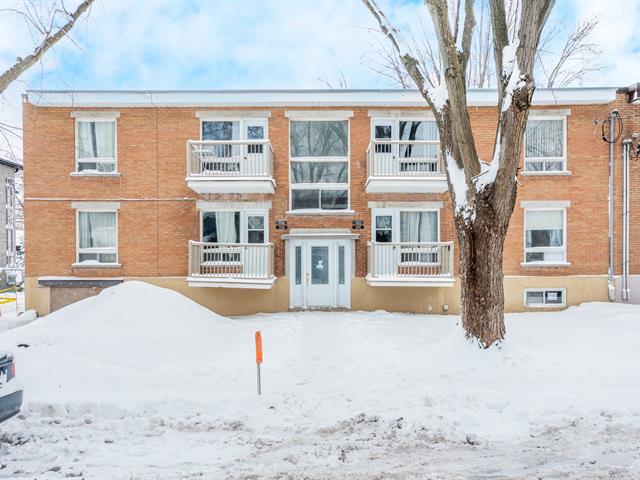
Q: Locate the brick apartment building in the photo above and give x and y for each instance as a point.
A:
(250, 201)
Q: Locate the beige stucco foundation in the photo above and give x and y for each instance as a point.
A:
(237, 301)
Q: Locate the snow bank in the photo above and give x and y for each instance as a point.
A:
(126, 342)
(8, 322)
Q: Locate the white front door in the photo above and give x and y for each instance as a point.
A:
(321, 273)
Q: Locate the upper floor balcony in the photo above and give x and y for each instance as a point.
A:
(230, 166)
(405, 166)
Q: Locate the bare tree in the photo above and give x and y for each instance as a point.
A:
(564, 57)
(483, 195)
(49, 31)
(578, 57)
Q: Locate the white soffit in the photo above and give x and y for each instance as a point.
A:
(296, 98)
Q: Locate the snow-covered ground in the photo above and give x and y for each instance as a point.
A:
(141, 383)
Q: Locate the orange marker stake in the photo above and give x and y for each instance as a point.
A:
(259, 358)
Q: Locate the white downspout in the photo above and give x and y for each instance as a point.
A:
(625, 219)
(610, 284)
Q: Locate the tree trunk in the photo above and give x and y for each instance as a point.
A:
(481, 244)
(481, 290)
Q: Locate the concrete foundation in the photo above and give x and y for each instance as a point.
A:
(238, 301)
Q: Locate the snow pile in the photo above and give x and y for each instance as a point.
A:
(129, 342)
(141, 382)
(7, 322)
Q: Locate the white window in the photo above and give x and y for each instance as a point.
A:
(319, 151)
(545, 144)
(97, 241)
(545, 297)
(96, 145)
(236, 156)
(545, 236)
(239, 226)
(231, 228)
(413, 230)
(404, 147)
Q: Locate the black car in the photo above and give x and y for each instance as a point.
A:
(10, 388)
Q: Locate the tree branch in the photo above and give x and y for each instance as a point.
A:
(22, 64)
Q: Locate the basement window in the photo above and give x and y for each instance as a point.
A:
(543, 297)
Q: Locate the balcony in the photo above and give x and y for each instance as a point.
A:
(420, 264)
(231, 265)
(230, 166)
(405, 166)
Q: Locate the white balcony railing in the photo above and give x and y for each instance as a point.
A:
(229, 158)
(404, 158)
(402, 260)
(233, 261)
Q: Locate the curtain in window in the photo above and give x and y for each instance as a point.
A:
(226, 226)
(544, 139)
(96, 139)
(418, 227)
(545, 228)
(97, 229)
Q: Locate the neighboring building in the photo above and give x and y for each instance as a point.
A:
(8, 208)
(250, 201)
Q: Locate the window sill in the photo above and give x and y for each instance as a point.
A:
(545, 264)
(559, 173)
(106, 174)
(543, 306)
(96, 265)
(326, 213)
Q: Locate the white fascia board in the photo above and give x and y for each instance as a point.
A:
(545, 204)
(298, 98)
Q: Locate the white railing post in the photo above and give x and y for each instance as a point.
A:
(404, 158)
(229, 158)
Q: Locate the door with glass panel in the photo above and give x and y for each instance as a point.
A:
(255, 163)
(321, 273)
(385, 254)
(384, 154)
(256, 258)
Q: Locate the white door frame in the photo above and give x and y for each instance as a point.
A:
(340, 296)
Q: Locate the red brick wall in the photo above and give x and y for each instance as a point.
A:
(158, 214)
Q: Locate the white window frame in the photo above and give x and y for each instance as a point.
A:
(395, 228)
(395, 133)
(548, 159)
(321, 186)
(96, 209)
(242, 123)
(107, 117)
(562, 249)
(543, 304)
(244, 213)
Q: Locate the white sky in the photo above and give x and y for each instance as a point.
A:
(208, 44)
